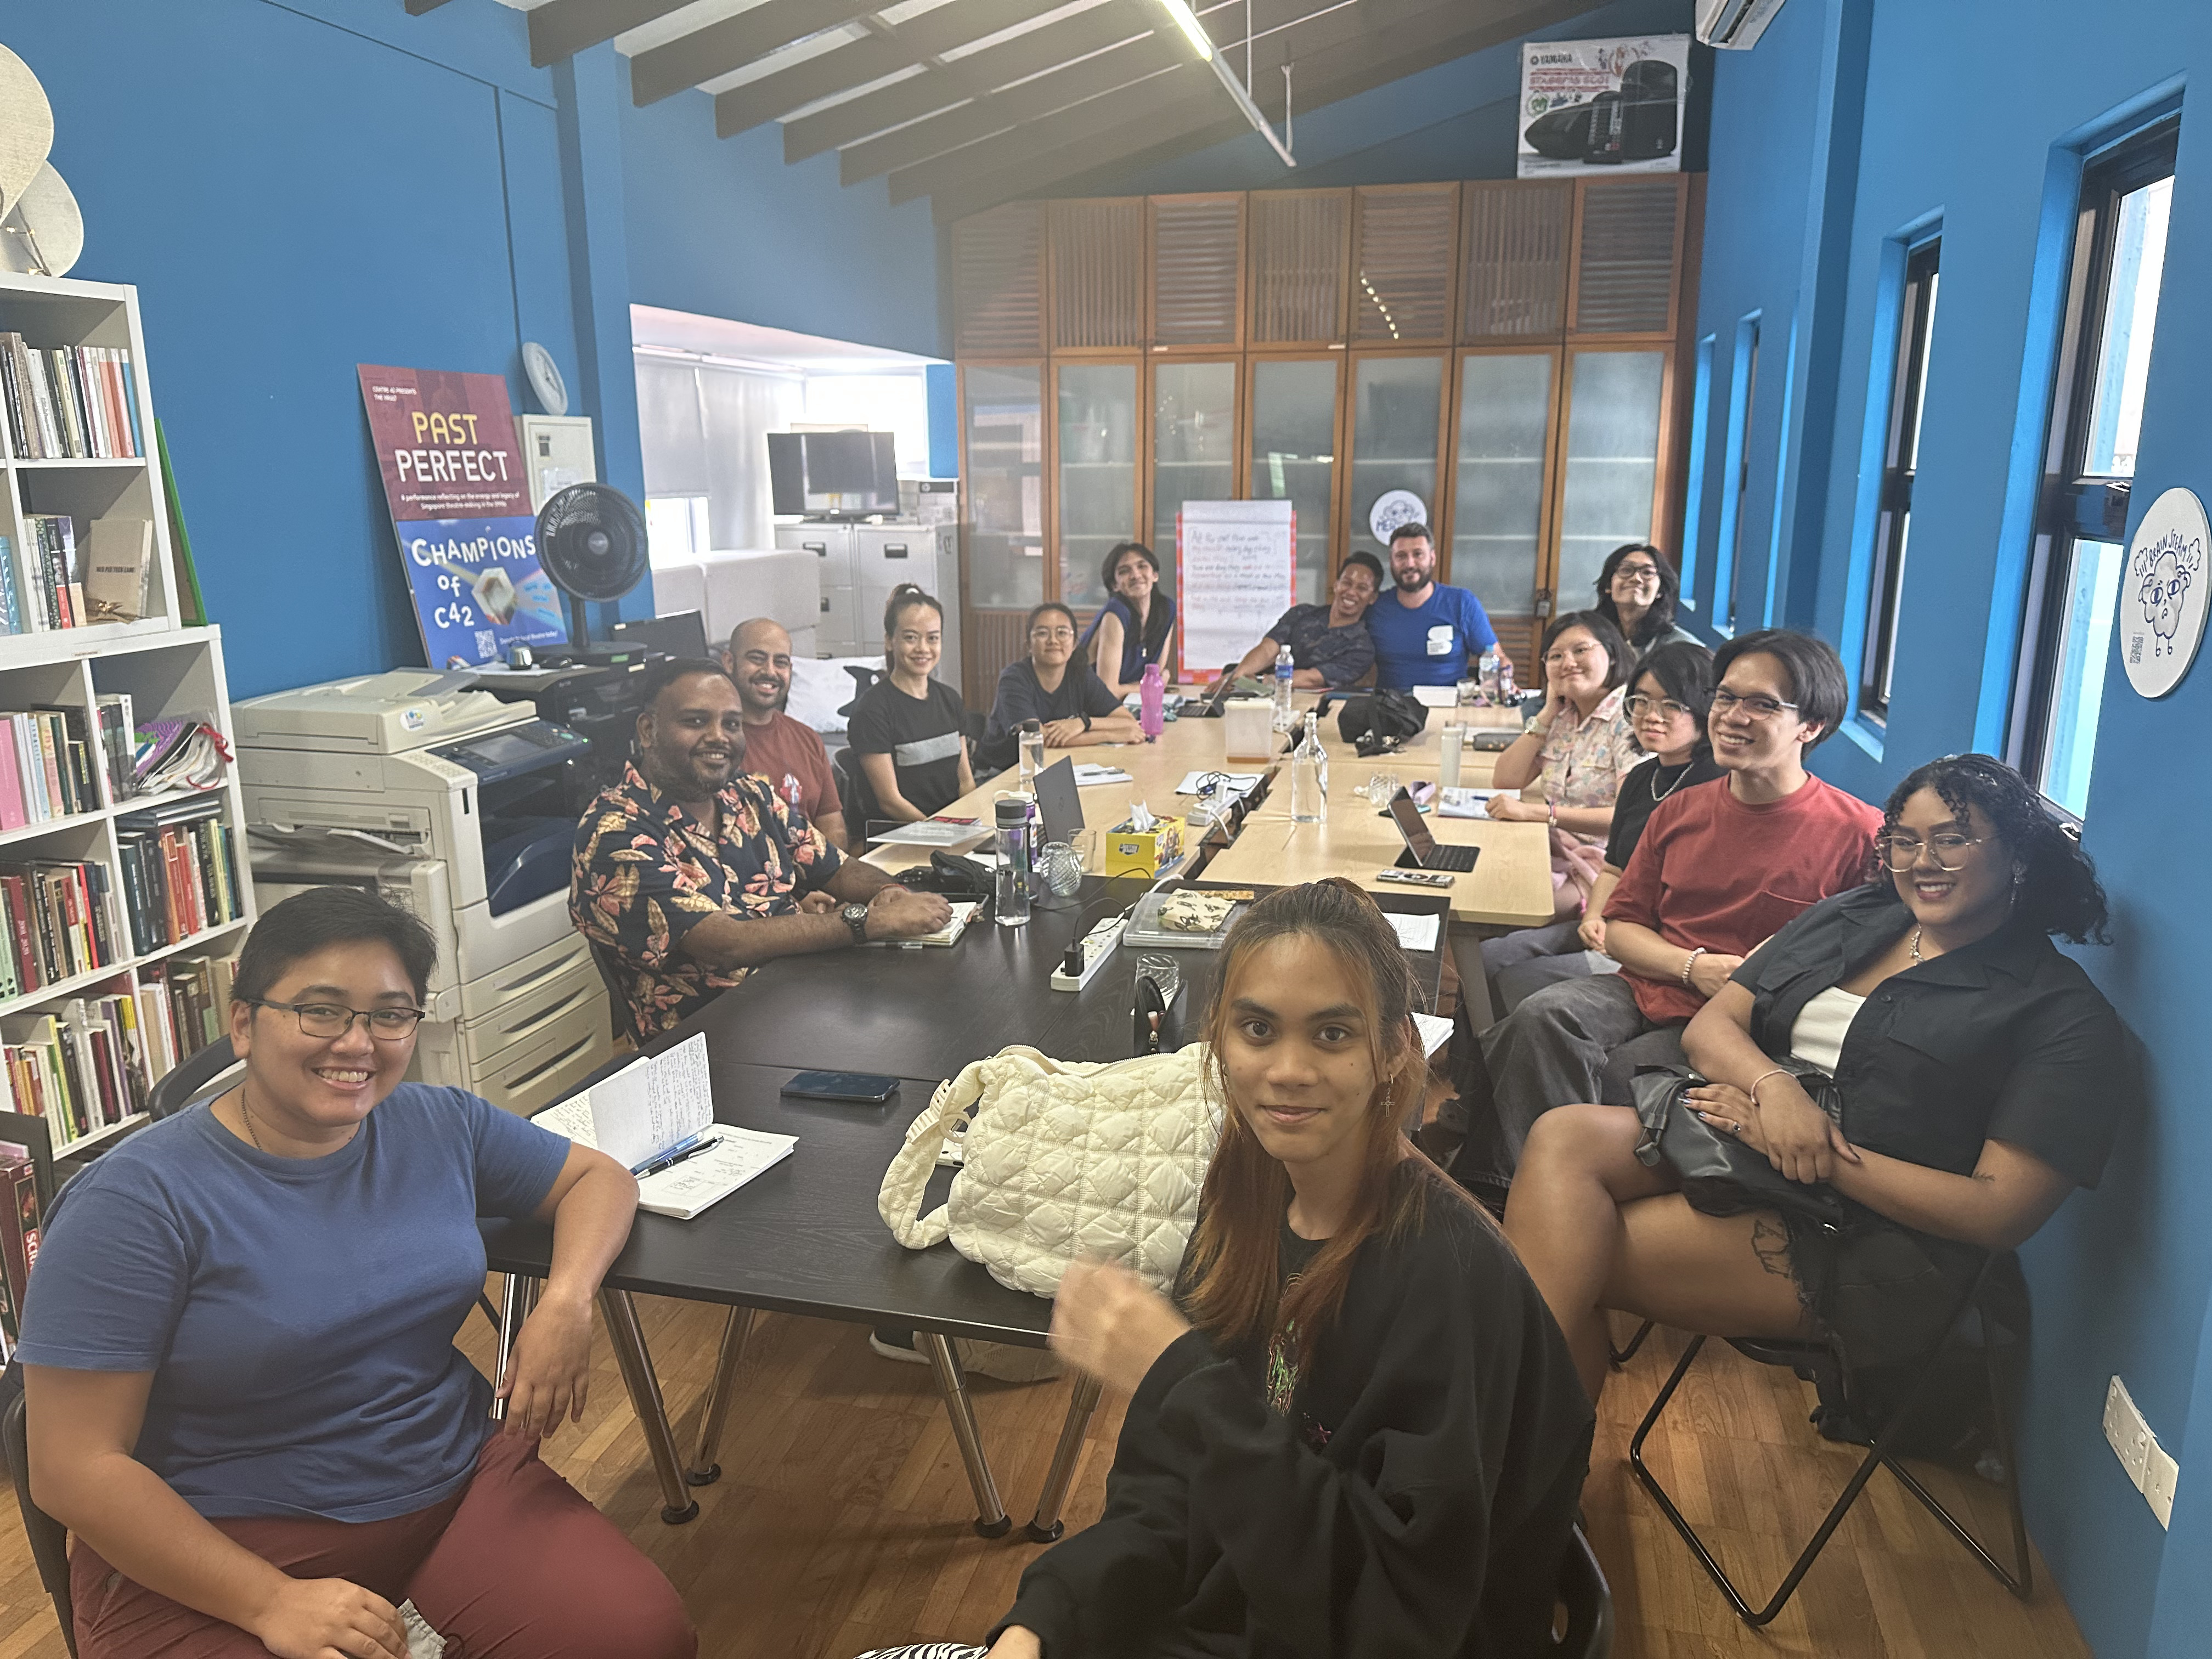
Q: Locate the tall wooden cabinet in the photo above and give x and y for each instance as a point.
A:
(1508, 352)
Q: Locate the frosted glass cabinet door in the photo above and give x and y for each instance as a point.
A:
(1005, 419)
(1194, 447)
(1397, 419)
(1097, 436)
(1294, 458)
(1613, 463)
(1498, 499)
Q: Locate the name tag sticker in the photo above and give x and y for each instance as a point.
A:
(1440, 639)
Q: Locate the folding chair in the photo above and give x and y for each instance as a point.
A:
(1824, 1357)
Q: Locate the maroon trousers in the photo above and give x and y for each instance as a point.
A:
(515, 1566)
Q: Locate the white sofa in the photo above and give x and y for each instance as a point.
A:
(728, 586)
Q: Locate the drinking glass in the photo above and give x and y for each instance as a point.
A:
(1030, 736)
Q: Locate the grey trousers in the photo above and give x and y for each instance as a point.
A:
(1580, 1039)
(1520, 965)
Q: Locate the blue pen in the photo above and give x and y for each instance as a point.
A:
(690, 1148)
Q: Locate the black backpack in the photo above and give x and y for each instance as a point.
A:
(1373, 721)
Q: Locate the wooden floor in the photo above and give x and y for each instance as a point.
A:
(841, 1523)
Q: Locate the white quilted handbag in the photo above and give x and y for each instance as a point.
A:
(1060, 1159)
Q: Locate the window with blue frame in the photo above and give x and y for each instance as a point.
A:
(1900, 466)
(1735, 470)
(2096, 416)
(1693, 503)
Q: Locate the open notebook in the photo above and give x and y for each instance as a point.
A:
(654, 1109)
(963, 912)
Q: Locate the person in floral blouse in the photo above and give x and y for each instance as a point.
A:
(688, 874)
(1569, 762)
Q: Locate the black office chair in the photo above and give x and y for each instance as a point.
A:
(1588, 1600)
(618, 1008)
(190, 1078)
(49, 1538)
(1823, 1361)
(857, 794)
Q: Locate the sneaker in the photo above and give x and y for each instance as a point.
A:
(998, 1360)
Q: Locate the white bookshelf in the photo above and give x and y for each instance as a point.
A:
(168, 670)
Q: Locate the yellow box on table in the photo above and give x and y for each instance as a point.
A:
(1133, 851)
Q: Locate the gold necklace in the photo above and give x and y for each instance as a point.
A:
(1913, 945)
(247, 1118)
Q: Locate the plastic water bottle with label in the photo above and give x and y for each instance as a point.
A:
(1308, 775)
(1284, 667)
(1152, 702)
(1011, 892)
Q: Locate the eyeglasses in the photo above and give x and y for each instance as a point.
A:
(1052, 634)
(1565, 654)
(1757, 705)
(1637, 573)
(330, 1020)
(1639, 705)
(1901, 852)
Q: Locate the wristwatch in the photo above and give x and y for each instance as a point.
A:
(856, 918)
(1086, 722)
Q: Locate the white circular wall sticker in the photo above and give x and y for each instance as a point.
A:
(2163, 594)
(1392, 508)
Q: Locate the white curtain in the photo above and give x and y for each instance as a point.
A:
(704, 430)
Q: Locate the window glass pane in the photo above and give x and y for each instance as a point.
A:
(1397, 412)
(1293, 456)
(1504, 407)
(1910, 457)
(2130, 313)
(1194, 447)
(1005, 487)
(1097, 438)
(2077, 695)
(1612, 464)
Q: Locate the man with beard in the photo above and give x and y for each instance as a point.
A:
(1425, 633)
(689, 874)
(777, 747)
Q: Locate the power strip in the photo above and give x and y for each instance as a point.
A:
(1098, 946)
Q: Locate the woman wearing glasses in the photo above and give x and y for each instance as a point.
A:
(1981, 1076)
(1636, 591)
(1569, 761)
(1051, 685)
(1666, 708)
(240, 1382)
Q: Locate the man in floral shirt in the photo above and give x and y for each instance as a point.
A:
(689, 874)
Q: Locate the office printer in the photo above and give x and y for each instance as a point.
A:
(458, 806)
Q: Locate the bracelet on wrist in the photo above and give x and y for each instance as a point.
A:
(1691, 962)
(1779, 1071)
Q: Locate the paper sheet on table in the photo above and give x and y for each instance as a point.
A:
(1236, 783)
(1089, 774)
(1415, 933)
(1437, 697)
(1466, 803)
(1435, 1030)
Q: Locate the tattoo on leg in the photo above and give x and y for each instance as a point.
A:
(1770, 1243)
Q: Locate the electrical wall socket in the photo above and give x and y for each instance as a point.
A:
(2153, 1473)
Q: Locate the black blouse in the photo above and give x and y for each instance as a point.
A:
(2005, 1039)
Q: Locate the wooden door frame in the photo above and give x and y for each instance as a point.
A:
(1235, 342)
(1339, 430)
(1052, 347)
(971, 637)
(1675, 282)
(1239, 428)
(1361, 195)
(1337, 340)
(1554, 455)
(1348, 431)
(1134, 362)
(1662, 445)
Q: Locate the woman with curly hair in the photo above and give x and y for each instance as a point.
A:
(1981, 1073)
(1636, 593)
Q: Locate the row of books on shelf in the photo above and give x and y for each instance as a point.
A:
(69, 402)
(49, 759)
(180, 874)
(26, 1177)
(72, 585)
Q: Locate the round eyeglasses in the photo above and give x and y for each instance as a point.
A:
(1902, 853)
(1639, 705)
(331, 1020)
(1758, 705)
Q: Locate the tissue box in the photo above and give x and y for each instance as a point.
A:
(1145, 852)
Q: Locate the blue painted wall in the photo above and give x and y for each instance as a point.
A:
(1850, 125)
(1454, 121)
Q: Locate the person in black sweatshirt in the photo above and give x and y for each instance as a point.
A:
(1356, 1430)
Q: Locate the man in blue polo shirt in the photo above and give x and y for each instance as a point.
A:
(1425, 633)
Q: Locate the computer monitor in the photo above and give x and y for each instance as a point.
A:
(832, 472)
(681, 634)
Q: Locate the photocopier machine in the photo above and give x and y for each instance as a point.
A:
(462, 808)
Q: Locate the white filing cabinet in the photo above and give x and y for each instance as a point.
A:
(861, 563)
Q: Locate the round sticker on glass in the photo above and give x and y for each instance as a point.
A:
(2163, 594)
(1392, 508)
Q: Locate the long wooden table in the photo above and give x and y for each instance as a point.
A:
(1510, 885)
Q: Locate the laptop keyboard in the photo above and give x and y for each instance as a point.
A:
(1451, 858)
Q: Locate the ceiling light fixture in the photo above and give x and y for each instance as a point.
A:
(1186, 21)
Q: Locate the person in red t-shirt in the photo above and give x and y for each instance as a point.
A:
(1722, 867)
(777, 747)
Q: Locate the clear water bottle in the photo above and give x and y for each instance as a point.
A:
(1152, 698)
(1488, 673)
(1284, 667)
(1507, 691)
(1308, 775)
(1013, 894)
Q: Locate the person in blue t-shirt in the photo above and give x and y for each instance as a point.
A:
(1425, 633)
(239, 1378)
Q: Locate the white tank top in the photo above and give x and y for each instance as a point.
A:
(1817, 1036)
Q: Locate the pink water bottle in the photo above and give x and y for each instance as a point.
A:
(1153, 699)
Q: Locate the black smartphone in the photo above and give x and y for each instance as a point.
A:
(859, 1088)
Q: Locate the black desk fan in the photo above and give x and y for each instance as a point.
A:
(591, 542)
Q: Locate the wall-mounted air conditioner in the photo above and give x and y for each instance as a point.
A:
(1735, 25)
